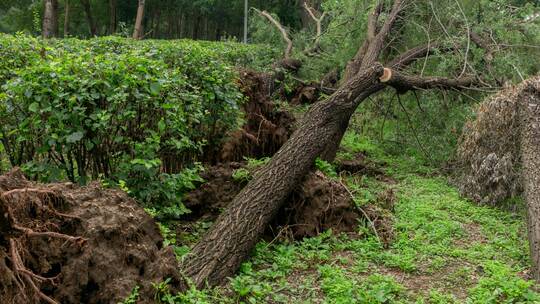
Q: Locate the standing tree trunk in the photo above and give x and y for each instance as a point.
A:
(48, 19)
(530, 150)
(66, 18)
(55, 18)
(237, 230)
(112, 17)
(91, 22)
(138, 31)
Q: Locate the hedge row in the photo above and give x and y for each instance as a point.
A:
(134, 112)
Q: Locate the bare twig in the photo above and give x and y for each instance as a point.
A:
(362, 211)
(282, 30)
(318, 22)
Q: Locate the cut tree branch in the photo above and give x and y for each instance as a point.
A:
(403, 83)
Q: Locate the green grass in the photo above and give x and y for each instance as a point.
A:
(446, 250)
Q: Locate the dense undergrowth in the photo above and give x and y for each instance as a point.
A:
(446, 250)
(138, 114)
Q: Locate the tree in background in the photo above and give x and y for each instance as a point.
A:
(162, 19)
(138, 31)
(50, 18)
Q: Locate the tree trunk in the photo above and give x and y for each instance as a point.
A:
(530, 149)
(66, 18)
(112, 17)
(48, 19)
(235, 233)
(91, 23)
(137, 32)
(55, 17)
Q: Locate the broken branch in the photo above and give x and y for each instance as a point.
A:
(318, 22)
(403, 83)
(282, 30)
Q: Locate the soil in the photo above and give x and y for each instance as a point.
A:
(359, 164)
(318, 204)
(68, 244)
(266, 127)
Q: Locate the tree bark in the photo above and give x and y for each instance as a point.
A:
(530, 149)
(55, 18)
(66, 18)
(112, 17)
(92, 27)
(137, 32)
(235, 233)
(48, 19)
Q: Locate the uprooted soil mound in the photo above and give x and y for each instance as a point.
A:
(317, 204)
(61, 243)
(360, 164)
(266, 128)
(489, 157)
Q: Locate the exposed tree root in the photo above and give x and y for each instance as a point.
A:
(65, 244)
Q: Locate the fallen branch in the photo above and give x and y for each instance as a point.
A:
(403, 83)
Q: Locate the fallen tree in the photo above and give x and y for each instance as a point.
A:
(226, 245)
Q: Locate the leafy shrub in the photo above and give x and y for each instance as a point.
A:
(133, 112)
(133, 296)
(91, 114)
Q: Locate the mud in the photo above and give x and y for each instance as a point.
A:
(60, 243)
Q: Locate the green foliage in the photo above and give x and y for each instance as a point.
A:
(163, 191)
(139, 112)
(325, 167)
(246, 174)
(375, 289)
(191, 296)
(241, 175)
(133, 297)
(500, 285)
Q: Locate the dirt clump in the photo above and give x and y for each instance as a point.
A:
(317, 204)
(216, 193)
(266, 127)
(359, 164)
(61, 243)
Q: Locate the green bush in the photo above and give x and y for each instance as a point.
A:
(134, 113)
